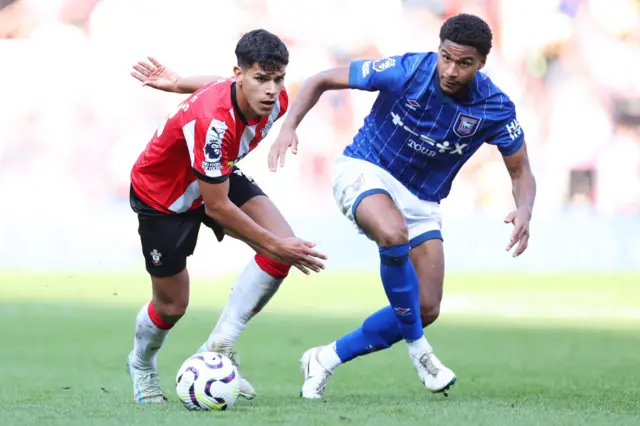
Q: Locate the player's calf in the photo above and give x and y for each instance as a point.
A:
(428, 261)
(151, 331)
(429, 312)
(253, 289)
(379, 217)
(155, 319)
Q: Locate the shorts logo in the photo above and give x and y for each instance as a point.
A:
(358, 183)
(466, 125)
(155, 257)
(382, 64)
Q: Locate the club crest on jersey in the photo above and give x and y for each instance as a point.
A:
(156, 257)
(466, 125)
(383, 64)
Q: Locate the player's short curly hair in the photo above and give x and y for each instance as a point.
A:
(467, 30)
(262, 47)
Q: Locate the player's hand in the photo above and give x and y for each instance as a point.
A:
(287, 138)
(299, 253)
(154, 74)
(520, 235)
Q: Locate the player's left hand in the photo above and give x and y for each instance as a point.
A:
(156, 75)
(520, 235)
(287, 138)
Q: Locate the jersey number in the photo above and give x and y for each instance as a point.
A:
(182, 107)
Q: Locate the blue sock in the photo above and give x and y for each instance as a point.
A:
(401, 285)
(388, 325)
(379, 331)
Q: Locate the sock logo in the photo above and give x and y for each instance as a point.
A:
(371, 349)
(155, 257)
(402, 311)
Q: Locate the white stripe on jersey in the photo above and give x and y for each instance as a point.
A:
(189, 132)
(250, 132)
(247, 136)
(185, 201)
(275, 112)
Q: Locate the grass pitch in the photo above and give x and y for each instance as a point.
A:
(527, 350)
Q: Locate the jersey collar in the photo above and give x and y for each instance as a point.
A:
(236, 108)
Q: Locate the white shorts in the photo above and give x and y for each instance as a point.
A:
(354, 179)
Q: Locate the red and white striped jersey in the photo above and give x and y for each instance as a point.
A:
(203, 138)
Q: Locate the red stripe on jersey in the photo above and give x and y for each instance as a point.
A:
(203, 134)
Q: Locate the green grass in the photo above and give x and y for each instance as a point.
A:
(527, 349)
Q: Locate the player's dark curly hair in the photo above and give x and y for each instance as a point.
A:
(467, 30)
(262, 47)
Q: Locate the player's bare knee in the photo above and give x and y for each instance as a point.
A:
(390, 235)
(171, 296)
(171, 311)
(429, 312)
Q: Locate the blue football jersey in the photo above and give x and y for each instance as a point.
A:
(420, 135)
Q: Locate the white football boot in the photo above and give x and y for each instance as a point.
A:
(146, 384)
(435, 376)
(315, 375)
(246, 389)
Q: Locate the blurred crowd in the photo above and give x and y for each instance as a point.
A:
(72, 120)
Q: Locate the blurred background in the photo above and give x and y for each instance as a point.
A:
(72, 122)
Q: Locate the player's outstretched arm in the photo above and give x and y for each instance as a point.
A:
(153, 74)
(312, 89)
(524, 194)
(307, 98)
(293, 251)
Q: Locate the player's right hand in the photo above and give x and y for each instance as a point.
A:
(299, 253)
(287, 138)
(156, 75)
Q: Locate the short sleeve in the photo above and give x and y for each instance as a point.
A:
(509, 136)
(207, 140)
(386, 74)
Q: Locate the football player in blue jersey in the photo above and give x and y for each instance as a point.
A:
(433, 111)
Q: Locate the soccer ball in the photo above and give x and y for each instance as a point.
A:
(207, 381)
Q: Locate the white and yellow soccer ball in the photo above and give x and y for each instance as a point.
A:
(207, 381)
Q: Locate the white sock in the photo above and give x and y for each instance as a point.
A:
(328, 357)
(148, 338)
(418, 346)
(251, 292)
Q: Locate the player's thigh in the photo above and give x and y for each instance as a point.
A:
(167, 241)
(363, 195)
(381, 220)
(250, 198)
(265, 213)
(262, 210)
(428, 261)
